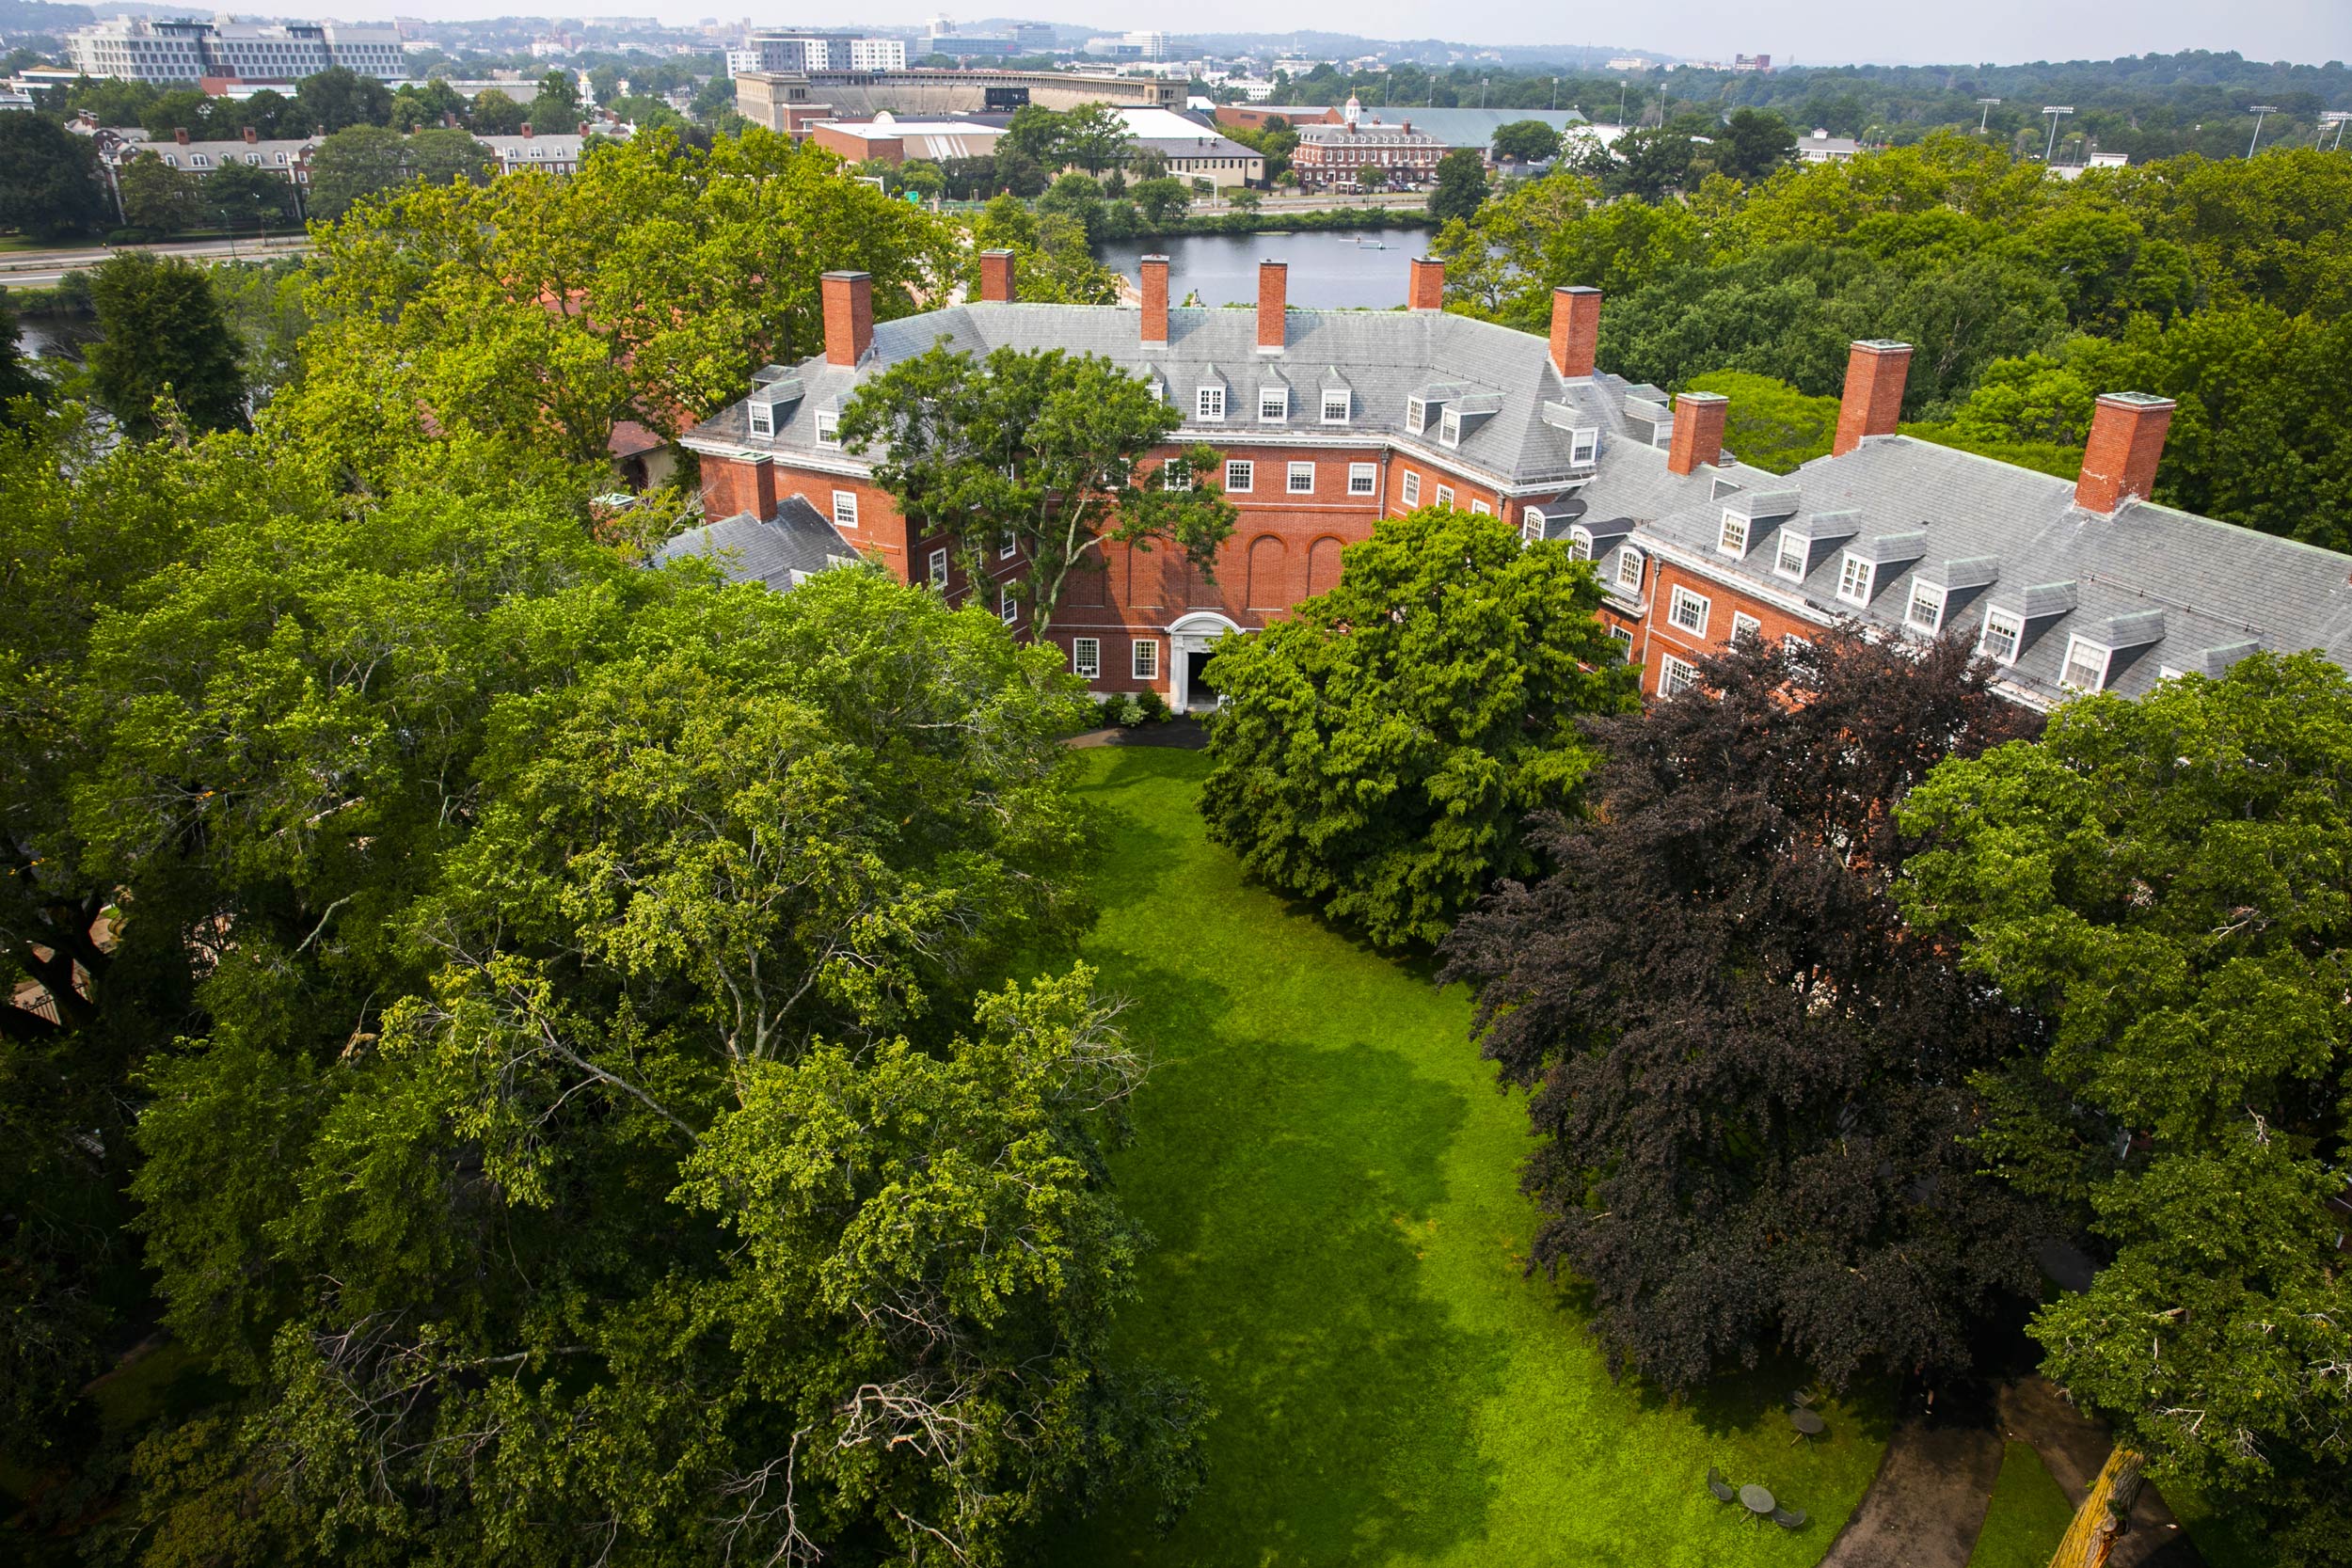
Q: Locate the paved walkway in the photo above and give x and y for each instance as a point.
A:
(2075, 1449)
(1927, 1502)
(1188, 735)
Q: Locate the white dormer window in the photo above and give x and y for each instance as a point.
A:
(1416, 415)
(1794, 548)
(1925, 611)
(1210, 405)
(1583, 448)
(2004, 629)
(1274, 404)
(1336, 405)
(1449, 428)
(1531, 529)
(1734, 539)
(1853, 579)
(2086, 665)
(197, 160)
(828, 428)
(763, 418)
(1629, 570)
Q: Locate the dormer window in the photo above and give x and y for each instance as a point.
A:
(2004, 629)
(1733, 540)
(1925, 611)
(1449, 428)
(1583, 448)
(1855, 579)
(1337, 405)
(763, 418)
(1416, 415)
(1629, 570)
(1210, 406)
(1274, 404)
(1532, 526)
(2086, 667)
(828, 428)
(1791, 562)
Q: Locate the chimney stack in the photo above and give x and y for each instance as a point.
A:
(2127, 431)
(1156, 301)
(1873, 403)
(180, 135)
(1575, 332)
(1273, 299)
(1698, 430)
(764, 489)
(997, 277)
(526, 129)
(251, 135)
(1428, 287)
(585, 128)
(849, 316)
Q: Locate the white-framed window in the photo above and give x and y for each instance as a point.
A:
(1240, 473)
(1791, 644)
(1410, 489)
(1623, 639)
(1337, 405)
(845, 509)
(2086, 665)
(1143, 659)
(1362, 479)
(1688, 611)
(1449, 428)
(1531, 530)
(1926, 609)
(828, 427)
(197, 160)
(763, 418)
(1480, 509)
(1086, 658)
(1416, 415)
(1007, 604)
(1445, 495)
(1790, 560)
(1855, 577)
(1007, 548)
(1745, 626)
(1175, 475)
(1675, 675)
(1301, 480)
(1734, 538)
(938, 567)
(2004, 630)
(1210, 406)
(1274, 404)
(1629, 570)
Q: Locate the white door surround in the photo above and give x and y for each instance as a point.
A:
(1187, 635)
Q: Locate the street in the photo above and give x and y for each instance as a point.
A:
(41, 269)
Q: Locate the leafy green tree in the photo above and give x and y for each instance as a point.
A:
(179, 109)
(1372, 177)
(49, 180)
(1650, 163)
(1076, 197)
(1096, 138)
(1461, 185)
(158, 197)
(1769, 422)
(18, 378)
(368, 161)
(1046, 451)
(162, 334)
(1754, 143)
(1053, 262)
(494, 114)
(1526, 141)
(1162, 201)
(2163, 880)
(339, 98)
(1037, 135)
(1379, 751)
(418, 108)
(246, 196)
(1741, 1064)
(555, 109)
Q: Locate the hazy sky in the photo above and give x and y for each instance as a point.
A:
(1811, 31)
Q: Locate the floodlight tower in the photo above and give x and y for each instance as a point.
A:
(2053, 110)
(2335, 117)
(2258, 110)
(1985, 113)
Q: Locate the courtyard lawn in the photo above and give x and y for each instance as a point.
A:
(1331, 1179)
(2028, 1516)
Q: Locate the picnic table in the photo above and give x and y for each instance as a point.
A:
(1756, 1499)
(1807, 1422)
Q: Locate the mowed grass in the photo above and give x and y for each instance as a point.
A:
(1332, 1180)
(2028, 1516)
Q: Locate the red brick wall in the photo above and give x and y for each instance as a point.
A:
(1657, 636)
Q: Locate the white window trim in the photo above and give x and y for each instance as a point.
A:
(1804, 548)
(939, 568)
(1480, 509)
(1449, 428)
(1086, 658)
(1409, 488)
(1294, 474)
(1935, 622)
(762, 417)
(1733, 540)
(1846, 591)
(1629, 564)
(828, 428)
(1445, 495)
(1143, 659)
(1345, 401)
(2079, 643)
(2014, 623)
(1009, 549)
(1175, 475)
(1531, 529)
(1278, 399)
(1363, 478)
(1624, 639)
(845, 509)
(1416, 415)
(1247, 468)
(1008, 603)
(1675, 675)
(1208, 405)
(1745, 626)
(1674, 603)
(1583, 448)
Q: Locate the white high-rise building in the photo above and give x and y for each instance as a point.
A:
(141, 49)
(878, 53)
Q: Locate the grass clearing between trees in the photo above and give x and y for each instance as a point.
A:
(1332, 1180)
(2028, 1516)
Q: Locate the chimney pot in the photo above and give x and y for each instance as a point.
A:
(1273, 299)
(1698, 430)
(1428, 286)
(1156, 301)
(849, 316)
(996, 285)
(1873, 400)
(2127, 432)
(1575, 332)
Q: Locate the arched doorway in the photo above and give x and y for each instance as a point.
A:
(1190, 639)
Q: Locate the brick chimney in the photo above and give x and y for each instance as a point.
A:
(584, 128)
(180, 135)
(1156, 301)
(526, 129)
(2127, 431)
(1273, 299)
(763, 490)
(849, 316)
(1575, 332)
(997, 277)
(1698, 430)
(1428, 287)
(251, 135)
(1873, 403)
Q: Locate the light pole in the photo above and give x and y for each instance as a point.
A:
(1555, 95)
(2258, 110)
(1482, 92)
(1985, 113)
(2053, 110)
(2335, 117)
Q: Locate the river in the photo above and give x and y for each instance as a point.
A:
(1331, 269)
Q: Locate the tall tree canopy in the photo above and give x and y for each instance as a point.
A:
(2167, 879)
(1049, 453)
(1379, 750)
(162, 333)
(1747, 1075)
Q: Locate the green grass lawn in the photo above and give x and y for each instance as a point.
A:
(1332, 1180)
(2028, 1516)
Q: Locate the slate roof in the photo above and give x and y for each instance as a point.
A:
(1472, 127)
(1385, 357)
(779, 551)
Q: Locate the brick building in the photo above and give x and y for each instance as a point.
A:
(1331, 420)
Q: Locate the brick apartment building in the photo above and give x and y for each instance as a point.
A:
(1331, 420)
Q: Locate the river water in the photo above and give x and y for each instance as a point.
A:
(1330, 269)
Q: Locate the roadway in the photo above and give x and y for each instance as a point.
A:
(44, 269)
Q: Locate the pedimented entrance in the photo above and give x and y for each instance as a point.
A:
(1190, 639)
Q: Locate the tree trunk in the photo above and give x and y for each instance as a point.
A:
(2101, 1518)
